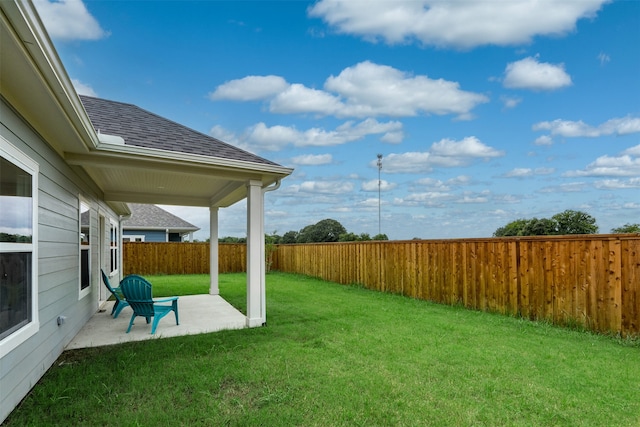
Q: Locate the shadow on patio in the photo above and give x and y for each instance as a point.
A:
(199, 314)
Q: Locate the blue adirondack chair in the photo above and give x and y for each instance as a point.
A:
(137, 291)
(117, 294)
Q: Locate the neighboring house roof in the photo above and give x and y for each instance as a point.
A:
(151, 217)
(142, 128)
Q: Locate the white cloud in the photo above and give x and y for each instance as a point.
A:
(429, 198)
(468, 147)
(434, 184)
(603, 58)
(250, 88)
(462, 24)
(300, 99)
(618, 184)
(363, 90)
(571, 129)
(410, 162)
(371, 203)
(321, 187)
(633, 151)
(82, 88)
(472, 199)
(528, 73)
(624, 165)
(527, 172)
(543, 140)
(224, 135)
(439, 185)
(572, 187)
(274, 138)
(459, 180)
(510, 102)
(69, 20)
(393, 137)
(445, 153)
(312, 159)
(371, 89)
(373, 185)
(519, 172)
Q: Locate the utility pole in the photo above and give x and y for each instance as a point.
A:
(379, 198)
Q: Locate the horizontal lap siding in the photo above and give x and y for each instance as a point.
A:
(59, 187)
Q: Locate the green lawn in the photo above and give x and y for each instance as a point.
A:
(334, 355)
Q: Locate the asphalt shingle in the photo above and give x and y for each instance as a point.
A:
(142, 128)
(151, 216)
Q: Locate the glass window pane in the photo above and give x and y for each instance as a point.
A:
(85, 253)
(16, 204)
(15, 291)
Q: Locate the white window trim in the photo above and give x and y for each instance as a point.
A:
(17, 157)
(133, 237)
(86, 291)
(114, 225)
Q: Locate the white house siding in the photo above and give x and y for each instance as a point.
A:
(58, 261)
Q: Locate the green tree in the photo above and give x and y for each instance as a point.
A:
(627, 228)
(575, 222)
(539, 227)
(348, 237)
(380, 236)
(230, 239)
(514, 228)
(327, 230)
(290, 237)
(270, 242)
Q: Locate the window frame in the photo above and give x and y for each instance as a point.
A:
(114, 247)
(12, 154)
(87, 290)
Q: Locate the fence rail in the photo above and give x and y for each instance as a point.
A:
(591, 280)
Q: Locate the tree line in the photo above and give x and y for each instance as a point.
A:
(329, 230)
(566, 222)
(326, 230)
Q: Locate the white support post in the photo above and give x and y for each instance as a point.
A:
(213, 251)
(256, 292)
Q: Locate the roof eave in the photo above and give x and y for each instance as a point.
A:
(52, 78)
(122, 152)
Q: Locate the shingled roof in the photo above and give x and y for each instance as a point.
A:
(152, 217)
(142, 128)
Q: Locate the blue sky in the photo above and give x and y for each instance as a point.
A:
(484, 112)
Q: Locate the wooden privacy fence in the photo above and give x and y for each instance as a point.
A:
(181, 258)
(588, 280)
(592, 280)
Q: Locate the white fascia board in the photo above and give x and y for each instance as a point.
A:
(174, 156)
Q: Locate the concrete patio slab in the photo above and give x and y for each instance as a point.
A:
(198, 314)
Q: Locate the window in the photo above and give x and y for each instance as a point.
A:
(85, 248)
(18, 247)
(113, 251)
(133, 238)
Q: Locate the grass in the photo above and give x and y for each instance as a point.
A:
(335, 355)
